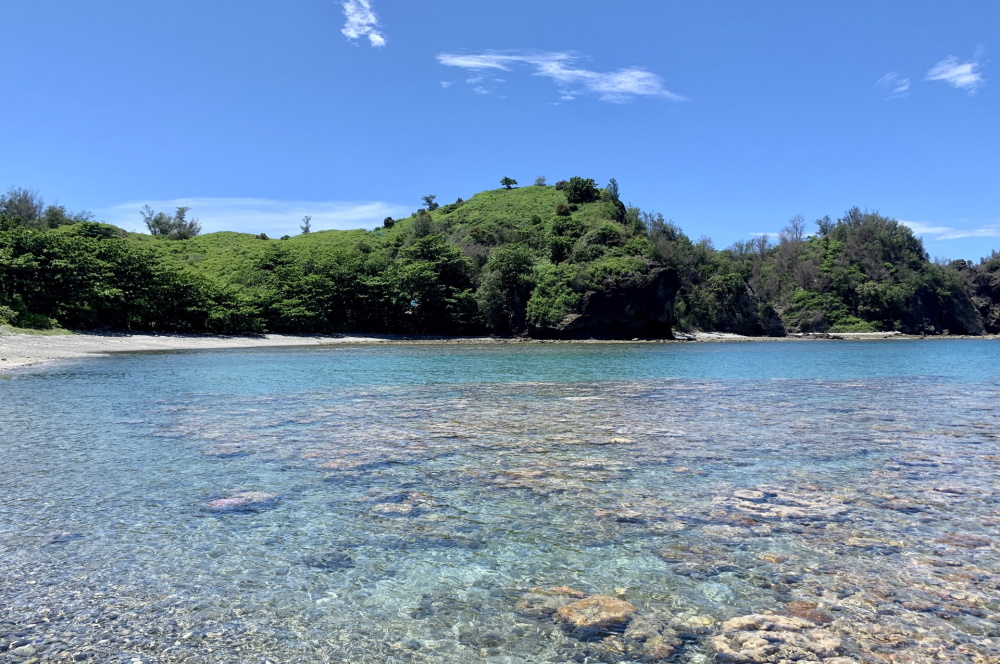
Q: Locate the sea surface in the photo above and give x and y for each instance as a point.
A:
(835, 501)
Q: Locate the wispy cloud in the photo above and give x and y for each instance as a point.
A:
(959, 75)
(895, 85)
(259, 215)
(361, 22)
(937, 232)
(619, 86)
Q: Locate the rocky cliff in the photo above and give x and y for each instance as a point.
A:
(634, 306)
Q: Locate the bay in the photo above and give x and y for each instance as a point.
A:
(414, 503)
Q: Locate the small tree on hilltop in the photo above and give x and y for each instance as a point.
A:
(176, 227)
(306, 224)
(429, 202)
(581, 190)
(508, 182)
(540, 181)
(22, 203)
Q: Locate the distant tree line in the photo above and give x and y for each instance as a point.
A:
(506, 262)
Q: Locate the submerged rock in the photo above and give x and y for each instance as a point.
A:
(243, 500)
(774, 639)
(766, 505)
(596, 612)
(329, 560)
(544, 602)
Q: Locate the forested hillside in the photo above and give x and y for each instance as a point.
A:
(564, 261)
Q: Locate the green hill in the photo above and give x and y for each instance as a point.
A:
(563, 261)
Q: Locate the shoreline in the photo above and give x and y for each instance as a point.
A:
(19, 350)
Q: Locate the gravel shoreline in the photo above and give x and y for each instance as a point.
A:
(20, 350)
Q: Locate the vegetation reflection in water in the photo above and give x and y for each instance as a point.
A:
(449, 522)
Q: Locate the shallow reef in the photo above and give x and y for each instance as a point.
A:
(674, 520)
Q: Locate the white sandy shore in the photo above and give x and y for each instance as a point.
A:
(18, 350)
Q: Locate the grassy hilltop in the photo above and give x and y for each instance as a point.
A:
(538, 259)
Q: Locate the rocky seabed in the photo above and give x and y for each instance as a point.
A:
(691, 521)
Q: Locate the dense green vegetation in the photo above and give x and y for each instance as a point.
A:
(506, 261)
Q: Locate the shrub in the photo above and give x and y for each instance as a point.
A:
(553, 296)
(563, 210)
(96, 230)
(388, 222)
(568, 226)
(607, 234)
(560, 248)
(34, 321)
(561, 184)
(852, 324)
(581, 190)
(7, 315)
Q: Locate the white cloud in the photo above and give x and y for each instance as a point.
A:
(617, 86)
(959, 75)
(361, 22)
(895, 85)
(259, 215)
(949, 233)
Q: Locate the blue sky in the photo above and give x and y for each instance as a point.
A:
(727, 117)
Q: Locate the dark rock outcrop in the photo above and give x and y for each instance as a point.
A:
(930, 313)
(985, 285)
(634, 306)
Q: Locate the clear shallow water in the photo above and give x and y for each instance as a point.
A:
(399, 503)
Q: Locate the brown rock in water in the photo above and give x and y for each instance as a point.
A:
(807, 610)
(562, 590)
(596, 612)
(760, 639)
(543, 602)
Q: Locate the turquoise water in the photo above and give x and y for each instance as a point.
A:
(400, 503)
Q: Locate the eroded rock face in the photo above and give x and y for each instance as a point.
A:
(775, 639)
(596, 612)
(639, 305)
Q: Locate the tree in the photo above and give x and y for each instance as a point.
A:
(56, 216)
(540, 181)
(177, 227)
(421, 224)
(306, 226)
(22, 203)
(613, 189)
(581, 190)
(429, 202)
(794, 232)
(388, 222)
(508, 182)
(505, 289)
